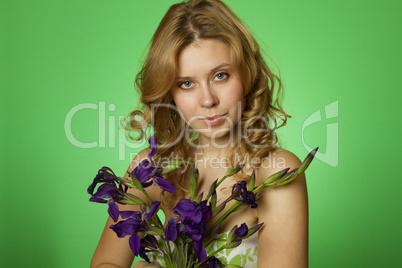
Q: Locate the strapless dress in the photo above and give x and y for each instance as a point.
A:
(245, 255)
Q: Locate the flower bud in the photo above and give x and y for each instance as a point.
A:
(170, 166)
(252, 230)
(276, 176)
(307, 161)
(233, 170)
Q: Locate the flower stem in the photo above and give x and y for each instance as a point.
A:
(220, 181)
(224, 216)
(147, 196)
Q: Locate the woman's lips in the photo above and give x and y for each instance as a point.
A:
(215, 120)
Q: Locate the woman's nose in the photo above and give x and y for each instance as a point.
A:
(208, 98)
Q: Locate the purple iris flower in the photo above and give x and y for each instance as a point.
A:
(131, 226)
(143, 254)
(148, 244)
(147, 169)
(134, 223)
(242, 231)
(144, 172)
(213, 262)
(105, 191)
(192, 212)
(108, 193)
(105, 174)
(193, 217)
(241, 194)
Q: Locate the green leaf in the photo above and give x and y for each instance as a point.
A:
(212, 188)
(127, 202)
(228, 251)
(234, 261)
(211, 233)
(126, 182)
(193, 181)
(218, 209)
(212, 203)
(134, 199)
(223, 260)
(222, 241)
(199, 198)
(152, 230)
(137, 184)
(232, 235)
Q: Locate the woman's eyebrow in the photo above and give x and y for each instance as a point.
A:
(223, 65)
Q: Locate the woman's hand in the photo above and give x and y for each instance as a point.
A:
(144, 264)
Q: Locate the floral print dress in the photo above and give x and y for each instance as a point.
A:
(244, 256)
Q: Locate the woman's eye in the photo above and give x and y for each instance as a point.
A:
(221, 76)
(186, 84)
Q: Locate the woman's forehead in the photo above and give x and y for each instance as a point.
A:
(203, 55)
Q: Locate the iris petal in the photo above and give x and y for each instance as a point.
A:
(152, 143)
(135, 244)
(200, 251)
(106, 190)
(113, 210)
(97, 200)
(171, 230)
(130, 214)
(165, 185)
(154, 207)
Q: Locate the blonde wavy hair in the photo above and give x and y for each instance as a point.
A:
(184, 24)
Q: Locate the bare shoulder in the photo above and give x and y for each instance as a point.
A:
(296, 191)
(277, 160)
(284, 211)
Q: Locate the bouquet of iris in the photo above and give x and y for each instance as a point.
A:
(183, 241)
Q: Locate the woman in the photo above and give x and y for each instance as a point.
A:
(210, 98)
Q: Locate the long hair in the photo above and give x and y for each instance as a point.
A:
(184, 24)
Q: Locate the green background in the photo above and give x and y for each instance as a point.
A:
(56, 55)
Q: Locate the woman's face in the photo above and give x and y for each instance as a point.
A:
(208, 90)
